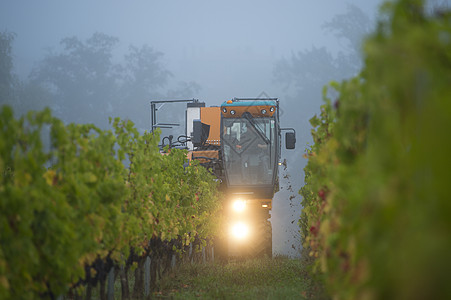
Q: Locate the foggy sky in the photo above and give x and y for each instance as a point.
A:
(228, 47)
(215, 43)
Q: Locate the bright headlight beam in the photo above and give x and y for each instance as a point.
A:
(239, 205)
(239, 231)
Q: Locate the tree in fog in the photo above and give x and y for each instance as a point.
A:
(303, 77)
(306, 72)
(31, 96)
(7, 77)
(144, 72)
(88, 86)
(350, 28)
(82, 78)
(21, 95)
(144, 77)
(184, 90)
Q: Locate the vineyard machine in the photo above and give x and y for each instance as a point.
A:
(240, 142)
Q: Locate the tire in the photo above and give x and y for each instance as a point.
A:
(261, 245)
(221, 250)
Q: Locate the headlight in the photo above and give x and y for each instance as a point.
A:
(239, 231)
(239, 206)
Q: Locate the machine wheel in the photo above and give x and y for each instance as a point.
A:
(221, 250)
(262, 245)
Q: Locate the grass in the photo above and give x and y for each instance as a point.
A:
(279, 278)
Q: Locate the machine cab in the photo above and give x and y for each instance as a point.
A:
(250, 145)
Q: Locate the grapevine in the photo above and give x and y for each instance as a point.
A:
(77, 200)
(375, 198)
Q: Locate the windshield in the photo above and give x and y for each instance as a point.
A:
(249, 150)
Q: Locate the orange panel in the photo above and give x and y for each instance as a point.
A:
(255, 111)
(212, 117)
(207, 153)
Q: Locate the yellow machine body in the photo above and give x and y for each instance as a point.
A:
(239, 142)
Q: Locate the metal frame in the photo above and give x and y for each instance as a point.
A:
(153, 112)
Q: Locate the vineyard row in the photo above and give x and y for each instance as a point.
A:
(76, 200)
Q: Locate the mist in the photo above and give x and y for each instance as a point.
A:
(89, 60)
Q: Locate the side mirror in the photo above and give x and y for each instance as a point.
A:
(290, 140)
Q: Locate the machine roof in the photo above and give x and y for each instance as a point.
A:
(249, 103)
